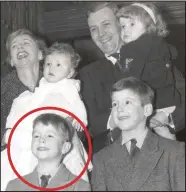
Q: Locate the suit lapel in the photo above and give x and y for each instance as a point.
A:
(119, 163)
(33, 178)
(147, 160)
(61, 178)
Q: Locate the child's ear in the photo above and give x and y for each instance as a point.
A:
(66, 147)
(148, 109)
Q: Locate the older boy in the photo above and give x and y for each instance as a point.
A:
(51, 140)
(139, 159)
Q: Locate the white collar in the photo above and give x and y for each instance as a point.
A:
(111, 58)
(52, 173)
(139, 138)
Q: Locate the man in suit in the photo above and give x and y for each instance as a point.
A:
(51, 141)
(98, 77)
(139, 159)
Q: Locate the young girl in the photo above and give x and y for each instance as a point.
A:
(57, 88)
(146, 56)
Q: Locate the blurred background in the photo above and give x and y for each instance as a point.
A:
(66, 21)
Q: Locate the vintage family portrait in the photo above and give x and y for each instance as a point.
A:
(116, 67)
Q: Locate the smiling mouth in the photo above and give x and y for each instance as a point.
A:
(123, 117)
(22, 55)
(42, 149)
(106, 40)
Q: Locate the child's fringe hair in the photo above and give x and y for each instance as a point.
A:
(133, 11)
(65, 48)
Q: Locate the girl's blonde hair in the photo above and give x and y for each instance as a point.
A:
(134, 11)
(65, 48)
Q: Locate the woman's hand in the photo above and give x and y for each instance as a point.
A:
(76, 125)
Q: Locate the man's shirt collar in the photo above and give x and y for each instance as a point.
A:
(111, 58)
(139, 138)
(52, 173)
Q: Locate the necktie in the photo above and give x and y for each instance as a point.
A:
(117, 56)
(134, 150)
(44, 180)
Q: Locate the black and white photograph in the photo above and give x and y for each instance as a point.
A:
(93, 95)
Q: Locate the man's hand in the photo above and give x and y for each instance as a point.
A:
(160, 118)
(161, 128)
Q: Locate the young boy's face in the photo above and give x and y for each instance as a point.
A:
(57, 67)
(127, 110)
(131, 29)
(46, 142)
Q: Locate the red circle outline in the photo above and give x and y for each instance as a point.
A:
(89, 146)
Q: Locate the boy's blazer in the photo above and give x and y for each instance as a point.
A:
(62, 177)
(160, 167)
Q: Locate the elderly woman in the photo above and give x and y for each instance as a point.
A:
(25, 51)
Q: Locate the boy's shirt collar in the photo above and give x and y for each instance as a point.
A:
(139, 138)
(52, 173)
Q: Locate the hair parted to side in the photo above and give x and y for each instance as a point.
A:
(65, 48)
(140, 88)
(136, 12)
(40, 42)
(95, 6)
(58, 122)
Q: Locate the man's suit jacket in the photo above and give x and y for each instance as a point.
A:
(160, 167)
(97, 79)
(62, 177)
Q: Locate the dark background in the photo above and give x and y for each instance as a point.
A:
(66, 21)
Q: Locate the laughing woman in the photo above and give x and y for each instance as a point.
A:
(25, 51)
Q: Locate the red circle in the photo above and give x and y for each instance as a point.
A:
(89, 146)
